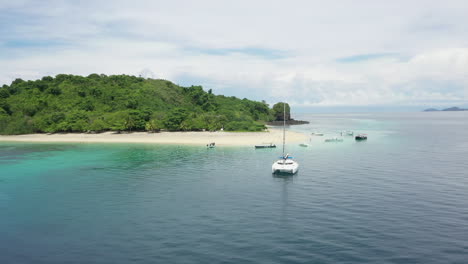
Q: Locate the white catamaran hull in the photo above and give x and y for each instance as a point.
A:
(284, 168)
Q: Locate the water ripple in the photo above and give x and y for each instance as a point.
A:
(398, 198)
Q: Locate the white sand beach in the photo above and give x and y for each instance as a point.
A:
(273, 135)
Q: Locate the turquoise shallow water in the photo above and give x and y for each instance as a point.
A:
(400, 197)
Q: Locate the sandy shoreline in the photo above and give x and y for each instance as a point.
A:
(177, 138)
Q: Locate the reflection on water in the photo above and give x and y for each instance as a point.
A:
(284, 180)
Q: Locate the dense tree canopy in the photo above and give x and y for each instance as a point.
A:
(278, 111)
(70, 103)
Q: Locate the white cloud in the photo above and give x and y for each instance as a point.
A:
(426, 47)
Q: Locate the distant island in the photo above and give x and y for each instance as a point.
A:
(446, 109)
(99, 103)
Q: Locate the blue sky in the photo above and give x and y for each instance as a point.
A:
(366, 57)
(314, 54)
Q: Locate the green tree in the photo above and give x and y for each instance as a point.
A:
(278, 111)
(4, 93)
(154, 125)
(175, 118)
(120, 102)
(17, 81)
(98, 125)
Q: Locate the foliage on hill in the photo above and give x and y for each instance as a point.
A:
(279, 110)
(70, 103)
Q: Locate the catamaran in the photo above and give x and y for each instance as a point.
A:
(286, 163)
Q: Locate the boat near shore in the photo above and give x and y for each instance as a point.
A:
(347, 133)
(334, 140)
(262, 146)
(361, 137)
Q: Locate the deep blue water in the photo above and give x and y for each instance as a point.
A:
(400, 197)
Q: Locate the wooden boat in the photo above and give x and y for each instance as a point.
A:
(211, 145)
(304, 145)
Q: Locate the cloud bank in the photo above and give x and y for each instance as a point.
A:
(311, 53)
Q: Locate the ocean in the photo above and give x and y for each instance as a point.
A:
(399, 197)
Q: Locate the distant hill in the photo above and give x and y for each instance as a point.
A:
(431, 110)
(454, 109)
(446, 109)
(97, 103)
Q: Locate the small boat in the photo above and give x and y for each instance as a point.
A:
(304, 145)
(347, 133)
(361, 137)
(334, 140)
(211, 145)
(271, 145)
(317, 134)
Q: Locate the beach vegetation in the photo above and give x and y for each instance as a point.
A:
(98, 103)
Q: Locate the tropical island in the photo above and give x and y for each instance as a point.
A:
(118, 104)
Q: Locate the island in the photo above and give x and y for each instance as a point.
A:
(446, 109)
(121, 104)
(281, 117)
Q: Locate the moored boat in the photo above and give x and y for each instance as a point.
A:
(361, 137)
(334, 140)
(347, 133)
(285, 164)
(271, 145)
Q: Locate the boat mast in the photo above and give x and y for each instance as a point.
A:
(284, 125)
